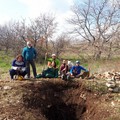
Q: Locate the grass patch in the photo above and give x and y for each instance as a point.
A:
(95, 86)
(5, 63)
(99, 66)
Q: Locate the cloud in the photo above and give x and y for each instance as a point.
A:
(5, 19)
(61, 9)
(44, 6)
(30, 9)
(35, 7)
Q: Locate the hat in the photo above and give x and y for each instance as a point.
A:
(53, 55)
(69, 62)
(77, 62)
(28, 42)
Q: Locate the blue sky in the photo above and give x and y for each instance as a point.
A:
(14, 10)
(17, 9)
(11, 9)
(29, 9)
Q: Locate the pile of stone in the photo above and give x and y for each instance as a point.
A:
(113, 81)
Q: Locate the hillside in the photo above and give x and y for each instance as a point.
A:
(54, 99)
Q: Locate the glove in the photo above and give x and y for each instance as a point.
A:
(19, 68)
(23, 69)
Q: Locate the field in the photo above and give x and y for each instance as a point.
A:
(54, 99)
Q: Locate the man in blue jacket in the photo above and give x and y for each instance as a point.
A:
(75, 71)
(29, 54)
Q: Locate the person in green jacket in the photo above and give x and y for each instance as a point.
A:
(50, 72)
(53, 58)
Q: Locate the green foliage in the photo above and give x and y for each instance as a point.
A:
(99, 66)
(113, 118)
(5, 62)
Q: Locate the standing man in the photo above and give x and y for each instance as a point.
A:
(29, 54)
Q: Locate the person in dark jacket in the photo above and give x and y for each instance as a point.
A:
(29, 54)
(18, 67)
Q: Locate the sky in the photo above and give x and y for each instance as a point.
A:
(11, 10)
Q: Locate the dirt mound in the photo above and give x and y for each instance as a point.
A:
(50, 100)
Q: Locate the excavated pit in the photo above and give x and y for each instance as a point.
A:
(56, 100)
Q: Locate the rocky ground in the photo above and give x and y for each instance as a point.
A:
(54, 99)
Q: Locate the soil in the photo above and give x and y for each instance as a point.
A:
(54, 99)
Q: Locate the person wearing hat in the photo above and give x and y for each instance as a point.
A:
(75, 71)
(50, 72)
(29, 54)
(56, 60)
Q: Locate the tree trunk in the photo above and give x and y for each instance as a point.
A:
(97, 55)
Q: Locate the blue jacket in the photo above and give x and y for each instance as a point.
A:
(77, 69)
(29, 53)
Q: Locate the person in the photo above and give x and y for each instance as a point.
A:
(75, 71)
(70, 64)
(29, 54)
(50, 72)
(63, 67)
(18, 67)
(64, 70)
(54, 58)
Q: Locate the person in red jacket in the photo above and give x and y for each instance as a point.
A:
(63, 69)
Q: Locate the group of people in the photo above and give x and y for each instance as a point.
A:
(21, 66)
(68, 70)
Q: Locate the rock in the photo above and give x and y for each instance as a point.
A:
(7, 88)
(110, 84)
(109, 79)
(110, 89)
(106, 74)
(112, 103)
(116, 90)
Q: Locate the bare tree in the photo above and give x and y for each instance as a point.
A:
(61, 44)
(11, 36)
(113, 48)
(96, 22)
(14, 35)
(5, 37)
(42, 27)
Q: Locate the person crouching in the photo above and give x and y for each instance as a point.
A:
(18, 67)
